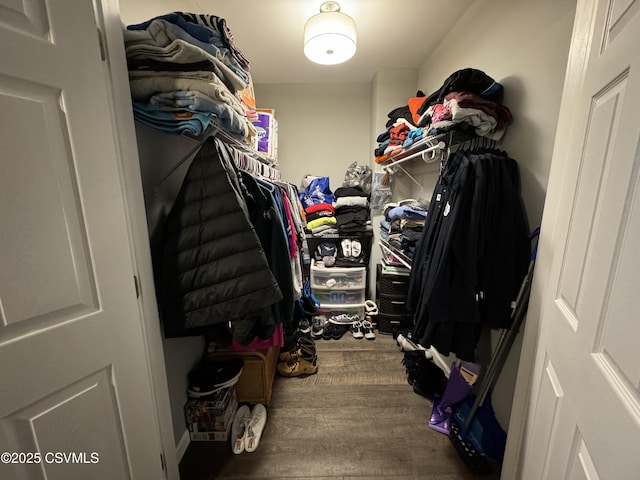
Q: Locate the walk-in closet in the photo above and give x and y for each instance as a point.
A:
(319, 240)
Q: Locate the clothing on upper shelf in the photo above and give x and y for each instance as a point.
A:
(465, 80)
(469, 100)
(182, 62)
(472, 255)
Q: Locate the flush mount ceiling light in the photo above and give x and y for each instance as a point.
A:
(330, 36)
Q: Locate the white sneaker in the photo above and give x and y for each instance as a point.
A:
(346, 247)
(367, 328)
(255, 426)
(356, 248)
(239, 429)
(356, 330)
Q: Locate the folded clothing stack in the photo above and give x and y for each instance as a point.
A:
(352, 210)
(321, 220)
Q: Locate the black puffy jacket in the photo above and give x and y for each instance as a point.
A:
(214, 269)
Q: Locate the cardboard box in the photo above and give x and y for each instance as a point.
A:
(211, 419)
(256, 380)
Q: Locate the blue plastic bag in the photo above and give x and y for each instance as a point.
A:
(317, 191)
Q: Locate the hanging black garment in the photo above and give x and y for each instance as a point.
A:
(214, 269)
(473, 254)
(267, 222)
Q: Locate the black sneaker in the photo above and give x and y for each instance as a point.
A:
(338, 331)
(304, 326)
(327, 332)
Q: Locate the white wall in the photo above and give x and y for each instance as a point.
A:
(322, 129)
(390, 89)
(159, 154)
(524, 46)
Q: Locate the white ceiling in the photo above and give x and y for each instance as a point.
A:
(391, 33)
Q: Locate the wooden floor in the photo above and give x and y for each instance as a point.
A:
(357, 418)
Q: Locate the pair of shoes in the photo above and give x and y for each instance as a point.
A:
(370, 307)
(344, 319)
(247, 427)
(367, 330)
(317, 326)
(424, 376)
(351, 248)
(334, 331)
(303, 341)
(305, 363)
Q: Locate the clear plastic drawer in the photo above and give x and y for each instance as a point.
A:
(338, 277)
(339, 296)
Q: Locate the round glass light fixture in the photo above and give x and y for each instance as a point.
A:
(330, 36)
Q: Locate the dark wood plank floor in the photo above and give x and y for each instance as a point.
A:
(357, 418)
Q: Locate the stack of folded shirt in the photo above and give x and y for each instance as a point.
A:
(406, 221)
(185, 71)
(321, 219)
(352, 210)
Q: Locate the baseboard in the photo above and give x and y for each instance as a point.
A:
(183, 444)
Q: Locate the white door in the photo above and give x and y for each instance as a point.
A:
(584, 407)
(76, 399)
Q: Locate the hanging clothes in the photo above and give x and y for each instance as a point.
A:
(472, 255)
(214, 269)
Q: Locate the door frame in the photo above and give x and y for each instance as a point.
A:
(521, 407)
(110, 29)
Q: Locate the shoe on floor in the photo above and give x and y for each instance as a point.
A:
(317, 326)
(356, 330)
(344, 319)
(367, 330)
(239, 429)
(327, 332)
(304, 364)
(255, 426)
(338, 331)
(304, 326)
(302, 341)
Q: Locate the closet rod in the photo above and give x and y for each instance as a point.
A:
(214, 131)
(439, 146)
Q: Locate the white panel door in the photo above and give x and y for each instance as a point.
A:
(75, 392)
(584, 415)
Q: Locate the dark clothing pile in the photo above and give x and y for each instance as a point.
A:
(472, 255)
(403, 224)
(352, 210)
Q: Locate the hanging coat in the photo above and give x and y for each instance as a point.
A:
(214, 269)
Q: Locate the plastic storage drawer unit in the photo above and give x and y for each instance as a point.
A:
(338, 277)
(348, 297)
